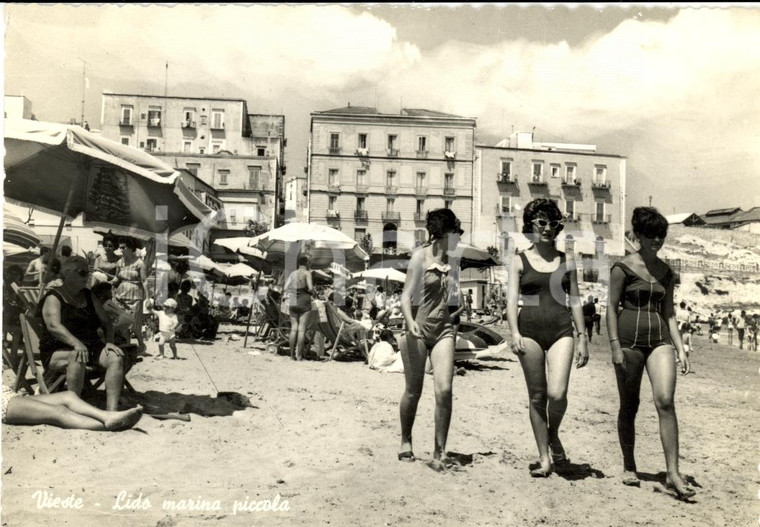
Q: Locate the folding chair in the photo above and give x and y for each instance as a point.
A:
(332, 328)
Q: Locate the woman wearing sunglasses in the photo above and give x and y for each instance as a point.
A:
(643, 332)
(542, 332)
(70, 341)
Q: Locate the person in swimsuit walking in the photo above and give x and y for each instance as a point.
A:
(644, 334)
(300, 304)
(430, 287)
(542, 333)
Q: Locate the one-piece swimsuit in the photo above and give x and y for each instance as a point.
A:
(432, 314)
(640, 321)
(544, 316)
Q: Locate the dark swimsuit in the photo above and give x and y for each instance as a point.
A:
(82, 322)
(432, 315)
(640, 322)
(543, 317)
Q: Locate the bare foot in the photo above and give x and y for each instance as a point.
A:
(543, 471)
(631, 479)
(679, 487)
(123, 420)
(438, 465)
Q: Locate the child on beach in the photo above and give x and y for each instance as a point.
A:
(167, 325)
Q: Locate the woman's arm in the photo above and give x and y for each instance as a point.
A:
(668, 313)
(51, 314)
(143, 280)
(513, 295)
(309, 283)
(413, 276)
(577, 312)
(614, 294)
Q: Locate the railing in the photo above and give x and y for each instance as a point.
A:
(334, 150)
(421, 191)
(600, 184)
(188, 124)
(572, 218)
(449, 191)
(362, 189)
(420, 216)
(506, 178)
(218, 126)
(362, 152)
(391, 190)
(333, 214)
(393, 152)
(154, 123)
(390, 215)
(504, 212)
(596, 218)
(537, 181)
(572, 183)
(422, 154)
(360, 215)
(126, 122)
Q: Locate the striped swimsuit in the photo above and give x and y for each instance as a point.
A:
(640, 322)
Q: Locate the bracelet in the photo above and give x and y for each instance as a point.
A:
(613, 340)
(579, 334)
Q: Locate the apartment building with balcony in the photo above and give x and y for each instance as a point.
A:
(588, 187)
(238, 154)
(379, 174)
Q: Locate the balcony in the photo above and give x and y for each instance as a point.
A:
(421, 192)
(601, 218)
(506, 177)
(601, 185)
(422, 154)
(218, 126)
(572, 183)
(391, 190)
(390, 215)
(334, 150)
(572, 218)
(393, 152)
(333, 188)
(362, 152)
(449, 191)
(154, 122)
(537, 181)
(126, 122)
(332, 215)
(188, 125)
(420, 216)
(449, 155)
(362, 189)
(504, 212)
(360, 216)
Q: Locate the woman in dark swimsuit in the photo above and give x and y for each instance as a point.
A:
(644, 335)
(301, 288)
(542, 333)
(429, 291)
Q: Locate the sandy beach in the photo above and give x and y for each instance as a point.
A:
(321, 443)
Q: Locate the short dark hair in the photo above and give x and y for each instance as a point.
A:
(130, 243)
(66, 251)
(185, 286)
(648, 222)
(110, 238)
(541, 207)
(304, 259)
(440, 222)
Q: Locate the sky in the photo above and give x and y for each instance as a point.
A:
(673, 89)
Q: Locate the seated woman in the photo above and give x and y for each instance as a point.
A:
(63, 409)
(70, 341)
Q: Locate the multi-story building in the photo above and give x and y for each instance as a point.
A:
(589, 188)
(378, 174)
(240, 155)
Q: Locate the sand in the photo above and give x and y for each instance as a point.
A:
(323, 437)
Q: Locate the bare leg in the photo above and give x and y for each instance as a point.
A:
(32, 411)
(75, 371)
(302, 319)
(533, 365)
(414, 356)
(559, 361)
(442, 359)
(293, 337)
(629, 386)
(114, 366)
(173, 347)
(661, 368)
(111, 420)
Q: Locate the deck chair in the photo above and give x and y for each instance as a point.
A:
(332, 328)
(29, 296)
(48, 382)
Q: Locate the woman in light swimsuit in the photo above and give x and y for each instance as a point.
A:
(132, 289)
(542, 333)
(430, 286)
(644, 335)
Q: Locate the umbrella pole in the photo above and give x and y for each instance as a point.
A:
(58, 233)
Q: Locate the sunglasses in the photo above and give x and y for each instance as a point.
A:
(108, 246)
(544, 223)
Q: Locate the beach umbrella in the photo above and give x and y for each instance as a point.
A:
(18, 233)
(385, 274)
(471, 256)
(66, 170)
(240, 270)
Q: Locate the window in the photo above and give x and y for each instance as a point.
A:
(332, 177)
(154, 116)
(202, 150)
(506, 205)
(390, 179)
(334, 141)
(216, 146)
(217, 119)
(570, 174)
(151, 145)
(420, 180)
(600, 174)
(223, 176)
(261, 151)
(538, 172)
(599, 211)
(420, 206)
(231, 215)
(359, 234)
(422, 144)
(506, 168)
(448, 144)
(332, 202)
(392, 144)
(126, 115)
(254, 178)
(390, 204)
(360, 203)
(362, 141)
(188, 120)
(187, 147)
(570, 209)
(361, 177)
(555, 171)
(447, 204)
(448, 181)
(125, 141)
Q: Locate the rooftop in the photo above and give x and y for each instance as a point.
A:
(722, 212)
(405, 112)
(172, 97)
